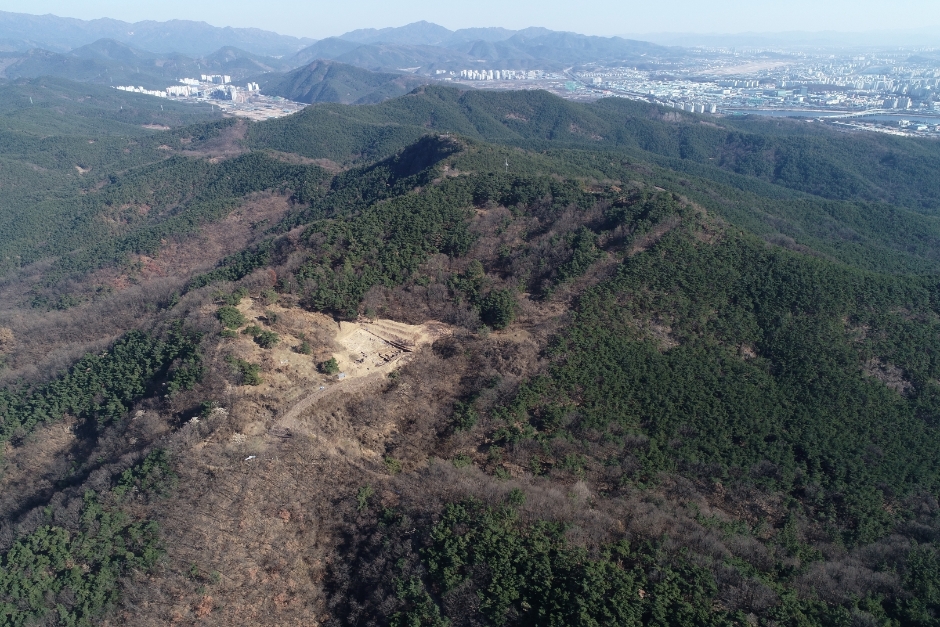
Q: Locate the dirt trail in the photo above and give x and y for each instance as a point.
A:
(288, 419)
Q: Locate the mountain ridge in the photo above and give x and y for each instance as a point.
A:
(332, 81)
(25, 31)
(111, 62)
(426, 47)
(420, 46)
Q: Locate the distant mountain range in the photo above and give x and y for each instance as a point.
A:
(109, 62)
(361, 66)
(20, 32)
(421, 47)
(428, 46)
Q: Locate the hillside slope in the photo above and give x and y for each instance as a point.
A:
(465, 359)
(783, 152)
(327, 81)
(803, 180)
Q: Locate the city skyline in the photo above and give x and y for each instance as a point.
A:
(594, 17)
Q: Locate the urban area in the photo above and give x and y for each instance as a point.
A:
(217, 89)
(893, 93)
(889, 92)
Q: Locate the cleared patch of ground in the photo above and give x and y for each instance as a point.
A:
(374, 346)
(367, 351)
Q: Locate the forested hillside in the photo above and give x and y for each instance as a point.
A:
(464, 358)
(46, 107)
(327, 81)
(784, 152)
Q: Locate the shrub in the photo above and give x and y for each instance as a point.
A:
(230, 317)
(516, 497)
(393, 465)
(465, 416)
(498, 309)
(267, 339)
(250, 373)
(153, 475)
(362, 497)
(269, 296)
(230, 299)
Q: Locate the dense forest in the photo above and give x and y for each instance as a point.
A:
(328, 81)
(676, 371)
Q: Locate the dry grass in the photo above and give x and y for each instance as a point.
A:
(201, 252)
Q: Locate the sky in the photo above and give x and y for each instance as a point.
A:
(319, 18)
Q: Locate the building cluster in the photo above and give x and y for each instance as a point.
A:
(225, 92)
(873, 81)
(898, 103)
(501, 75)
(141, 90)
(233, 93)
(183, 91)
(736, 83)
(693, 107)
(214, 87)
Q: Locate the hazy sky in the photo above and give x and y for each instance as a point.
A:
(321, 18)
